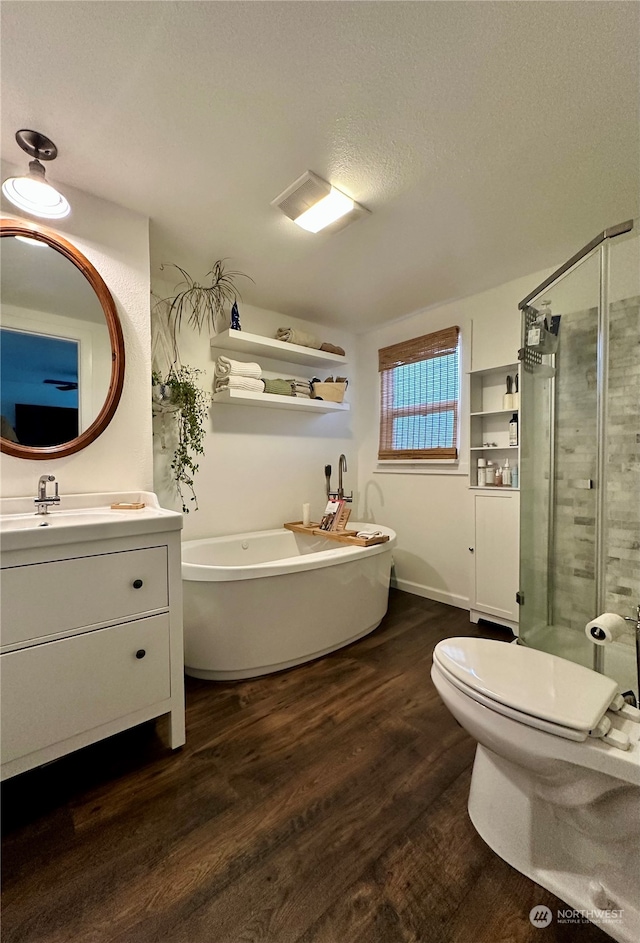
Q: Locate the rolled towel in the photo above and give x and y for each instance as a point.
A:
(238, 383)
(279, 386)
(332, 349)
(291, 335)
(300, 386)
(226, 367)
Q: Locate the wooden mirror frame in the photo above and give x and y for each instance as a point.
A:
(15, 227)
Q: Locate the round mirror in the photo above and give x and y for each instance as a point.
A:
(61, 345)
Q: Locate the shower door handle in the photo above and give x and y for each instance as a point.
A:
(585, 483)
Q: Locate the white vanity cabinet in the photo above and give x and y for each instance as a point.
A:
(91, 640)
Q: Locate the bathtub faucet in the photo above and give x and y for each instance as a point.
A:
(342, 467)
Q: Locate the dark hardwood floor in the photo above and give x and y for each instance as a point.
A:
(326, 804)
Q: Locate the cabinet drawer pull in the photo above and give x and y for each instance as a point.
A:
(140, 653)
(137, 584)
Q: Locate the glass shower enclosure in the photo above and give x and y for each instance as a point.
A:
(580, 455)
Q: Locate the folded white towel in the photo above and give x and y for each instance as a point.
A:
(226, 367)
(292, 336)
(238, 383)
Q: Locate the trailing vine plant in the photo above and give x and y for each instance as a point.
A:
(188, 405)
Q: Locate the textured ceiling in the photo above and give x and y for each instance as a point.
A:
(489, 140)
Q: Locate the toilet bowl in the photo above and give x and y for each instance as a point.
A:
(555, 789)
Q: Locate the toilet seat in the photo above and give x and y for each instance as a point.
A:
(531, 687)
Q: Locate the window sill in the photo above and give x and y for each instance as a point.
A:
(421, 467)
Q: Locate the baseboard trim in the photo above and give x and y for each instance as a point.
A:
(429, 592)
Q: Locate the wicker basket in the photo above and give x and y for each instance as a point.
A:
(331, 392)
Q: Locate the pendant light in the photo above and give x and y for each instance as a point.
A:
(32, 193)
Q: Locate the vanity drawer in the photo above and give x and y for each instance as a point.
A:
(54, 691)
(49, 598)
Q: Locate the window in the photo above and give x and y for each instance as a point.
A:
(419, 391)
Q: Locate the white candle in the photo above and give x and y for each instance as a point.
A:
(306, 515)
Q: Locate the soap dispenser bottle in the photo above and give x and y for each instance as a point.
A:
(543, 318)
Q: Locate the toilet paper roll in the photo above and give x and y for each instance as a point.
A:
(606, 628)
(306, 515)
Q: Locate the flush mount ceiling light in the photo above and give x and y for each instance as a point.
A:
(314, 204)
(32, 193)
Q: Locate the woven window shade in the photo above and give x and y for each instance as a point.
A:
(419, 397)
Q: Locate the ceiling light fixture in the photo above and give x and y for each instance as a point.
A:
(314, 204)
(32, 193)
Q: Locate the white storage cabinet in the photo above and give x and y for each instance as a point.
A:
(496, 510)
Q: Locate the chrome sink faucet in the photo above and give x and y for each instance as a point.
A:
(342, 467)
(43, 500)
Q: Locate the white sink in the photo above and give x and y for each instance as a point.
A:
(9, 522)
(81, 517)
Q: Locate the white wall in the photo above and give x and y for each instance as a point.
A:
(260, 465)
(432, 512)
(116, 241)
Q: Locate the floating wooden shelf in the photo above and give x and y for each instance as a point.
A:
(275, 401)
(242, 342)
(342, 536)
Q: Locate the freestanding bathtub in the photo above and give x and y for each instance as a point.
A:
(260, 602)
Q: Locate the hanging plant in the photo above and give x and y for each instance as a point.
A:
(202, 304)
(178, 395)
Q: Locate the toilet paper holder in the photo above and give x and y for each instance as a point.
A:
(598, 634)
(600, 637)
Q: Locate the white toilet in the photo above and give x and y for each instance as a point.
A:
(555, 789)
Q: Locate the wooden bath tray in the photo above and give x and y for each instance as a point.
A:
(342, 536)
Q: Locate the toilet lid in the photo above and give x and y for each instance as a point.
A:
(531, 682)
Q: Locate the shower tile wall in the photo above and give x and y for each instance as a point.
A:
(574, 549)
(573, 591)
(623, 467)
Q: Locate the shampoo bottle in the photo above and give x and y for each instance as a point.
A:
(491, 473)
(506, 475)
(513, 430)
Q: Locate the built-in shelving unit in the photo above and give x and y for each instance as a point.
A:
(242, 342)
(494, 553)
(257, 345)
(489, 421)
